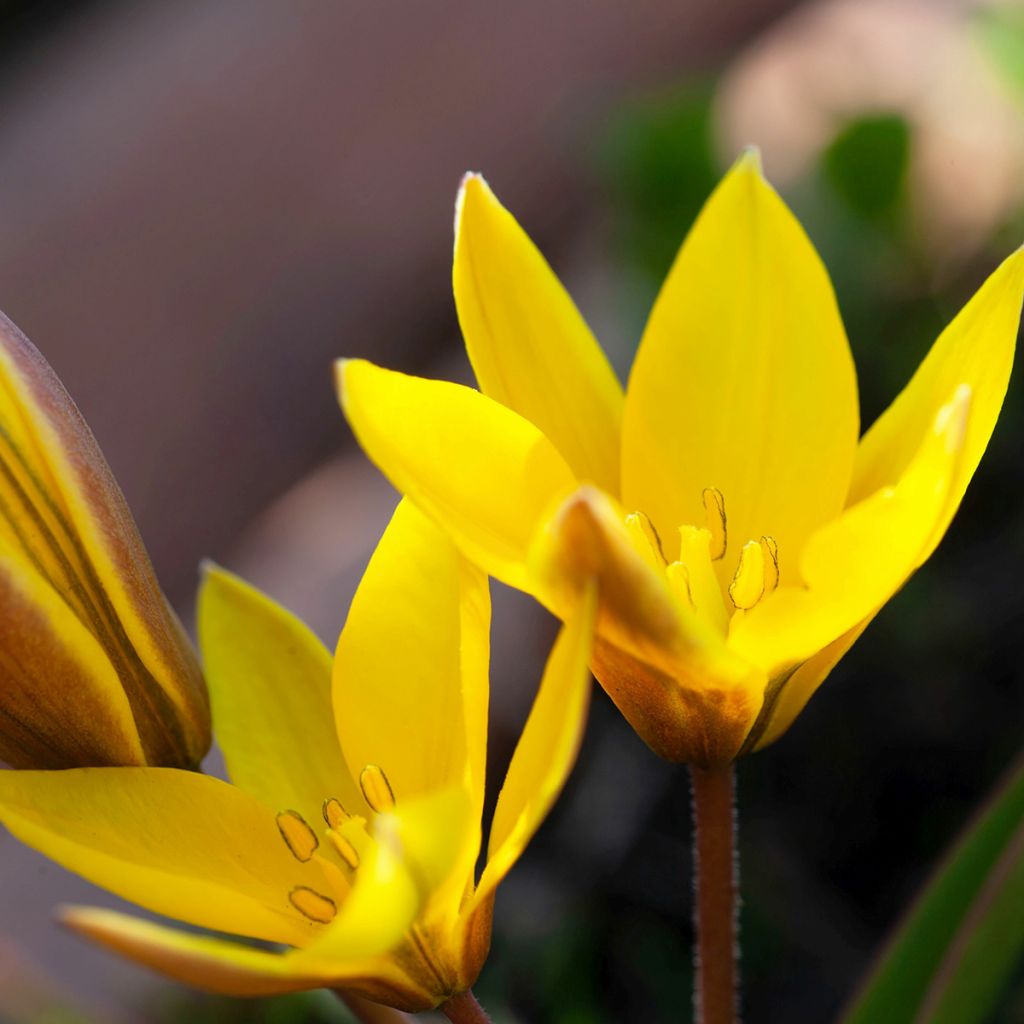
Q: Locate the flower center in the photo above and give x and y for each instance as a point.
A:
(346, 835)
(692, 576)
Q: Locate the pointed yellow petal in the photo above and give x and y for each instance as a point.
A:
(528, 344)
(785, 701)
(976, 349)
(86, 719)
(481, 471)
(743, 381)
(60, 505)
(207, 963)
(180, 844)
(856, 563)
(410, 672)
(547, 748)
(270, 687)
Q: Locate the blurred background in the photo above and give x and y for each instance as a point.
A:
(203, 203)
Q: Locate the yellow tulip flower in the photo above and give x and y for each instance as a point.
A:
(743, 536)
(95, 668)
(352, 829)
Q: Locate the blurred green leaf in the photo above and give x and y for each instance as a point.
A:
(866, 164)
(1001, 31)
(957, 950)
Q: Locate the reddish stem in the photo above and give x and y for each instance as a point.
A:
(715, 875)
(464, 1009)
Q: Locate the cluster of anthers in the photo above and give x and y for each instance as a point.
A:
(693, 577)
(348, 837)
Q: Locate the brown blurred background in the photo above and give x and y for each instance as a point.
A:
(202, 204)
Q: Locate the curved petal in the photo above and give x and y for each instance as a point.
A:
(793, 693)
(60, 502)
(743, 381)
(856, 563)
(410, 672)
(270, 688)
(180, 844)
(546, 750)
(481, 471)
(530, 348)
(61, 700)
(207, 963)
(976, 349)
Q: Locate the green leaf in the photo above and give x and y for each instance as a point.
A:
(957, 949)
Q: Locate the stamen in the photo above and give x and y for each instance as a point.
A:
(645, 539)
(334, 813)
(679, 580)
(346, 850)
(312, 904)
(747, 587)
(297, 835)
(714, 513)
(377, 791)
(771, 563)
(695, 553)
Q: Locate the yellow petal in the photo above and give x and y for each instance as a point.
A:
(547, 748)
(743, 381)
(976, 349)
(785, 701)
(61, 701)
(481, 471)
(208, 963)
(270, 687)
(587, 539)
(61, 506)
(436, 840)
(856, 563)
(410, 672)
(180, 844)
(529, 346)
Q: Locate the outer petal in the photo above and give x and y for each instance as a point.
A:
(184, 845)
(43, 642)
(270, 687)
(481, 471)
(546, 750)
(410, 672)
(856, 563)
(976, 349)
(61, 505)
(743, 380)
(211, 964)
(528, 344)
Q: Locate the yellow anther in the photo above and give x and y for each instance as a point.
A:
(695, 554)
(679, 580)
(645, 539)
(771, 563)
(334, 813)
(747, 587)
(298, 836)
(377, 791)
(714, 513)
(346, 850)
(313, 904)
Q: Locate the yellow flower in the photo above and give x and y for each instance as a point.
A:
(350, 835)
(742, 535)
(94, 666)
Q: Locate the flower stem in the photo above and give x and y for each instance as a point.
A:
(715, 876)
(464, 1009)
